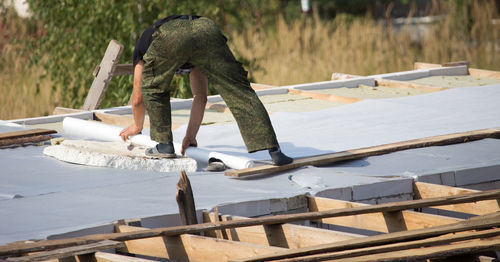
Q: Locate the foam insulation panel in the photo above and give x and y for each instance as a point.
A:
(116, 155)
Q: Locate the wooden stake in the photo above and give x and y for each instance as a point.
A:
(185, 200)
(103, 73)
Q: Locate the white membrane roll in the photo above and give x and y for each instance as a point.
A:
(105, 132)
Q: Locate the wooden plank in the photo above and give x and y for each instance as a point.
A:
(25, 133)
(70, 251)
(100, 83)
(123, 69)
(23, 140)
(457, 63)
(387, 249)
(193, 248)
(486, 222)
(185, 200)
(282, 235)
(256, 86)
(383, 239)
(108, 257)
(326, 97)
(221, 108)
(469, 247)
(404, 84)
(472, 71)
(122, 120)
(421, 65)
(64, 110)
(370, 151)
(381, 222)
(484, 73)
(425, 190)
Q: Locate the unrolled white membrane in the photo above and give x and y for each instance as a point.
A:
(105, 132)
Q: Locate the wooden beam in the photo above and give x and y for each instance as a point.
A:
(421, 65)
(221, 108)
(256, 86)
(109, 257)
(64, 110)
(185, 200)
(123, 69)
(342, 76)
(23, 140)
(104, 74)
(281, 235)
(383, 239)
(26, 133)
(484, 73)
(425, 190)
(472, 71)
(70, 251)
(387, 250)
(121, 120)
(326, 97)
(381, 222)
(494, 220)
(405, 84)
(193, 248)
(469, 247)
(370, 151)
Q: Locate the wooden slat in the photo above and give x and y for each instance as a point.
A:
(256, 86)
(484, 73)
(100, 83)
(326, 97)
(122, 120)
(23, 140)
(25, 133)
(404, 84)
(193, 248)
(20, 248)
(425, 190)
(70, 251)
(282, 235)
(384, 239)
(370, 151)
(421, 65)
(64, 110)
(381, 222)
(108, 257)
(387, 250)
(472, 71)
(123, 69)
(432, 252)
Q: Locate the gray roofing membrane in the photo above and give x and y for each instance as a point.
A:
(41, 196)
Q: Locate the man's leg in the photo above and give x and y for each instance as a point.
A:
(214, 59)
(164, 56)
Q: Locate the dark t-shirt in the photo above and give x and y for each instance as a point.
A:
(141, 47)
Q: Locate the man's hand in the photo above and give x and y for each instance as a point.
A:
(187, 142)
(130, 131)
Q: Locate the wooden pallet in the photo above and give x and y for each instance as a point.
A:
(403, 233)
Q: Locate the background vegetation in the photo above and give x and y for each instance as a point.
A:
(48, 59)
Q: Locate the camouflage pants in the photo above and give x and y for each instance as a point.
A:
(201, 43)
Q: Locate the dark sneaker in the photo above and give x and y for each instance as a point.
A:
(279, 158)
(164, 150)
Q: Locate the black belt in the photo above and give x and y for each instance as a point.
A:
(189, 17)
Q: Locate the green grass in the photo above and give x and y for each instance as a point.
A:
(299, 52)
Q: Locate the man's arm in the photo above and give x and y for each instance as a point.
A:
(138, 108)
(199, 85)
